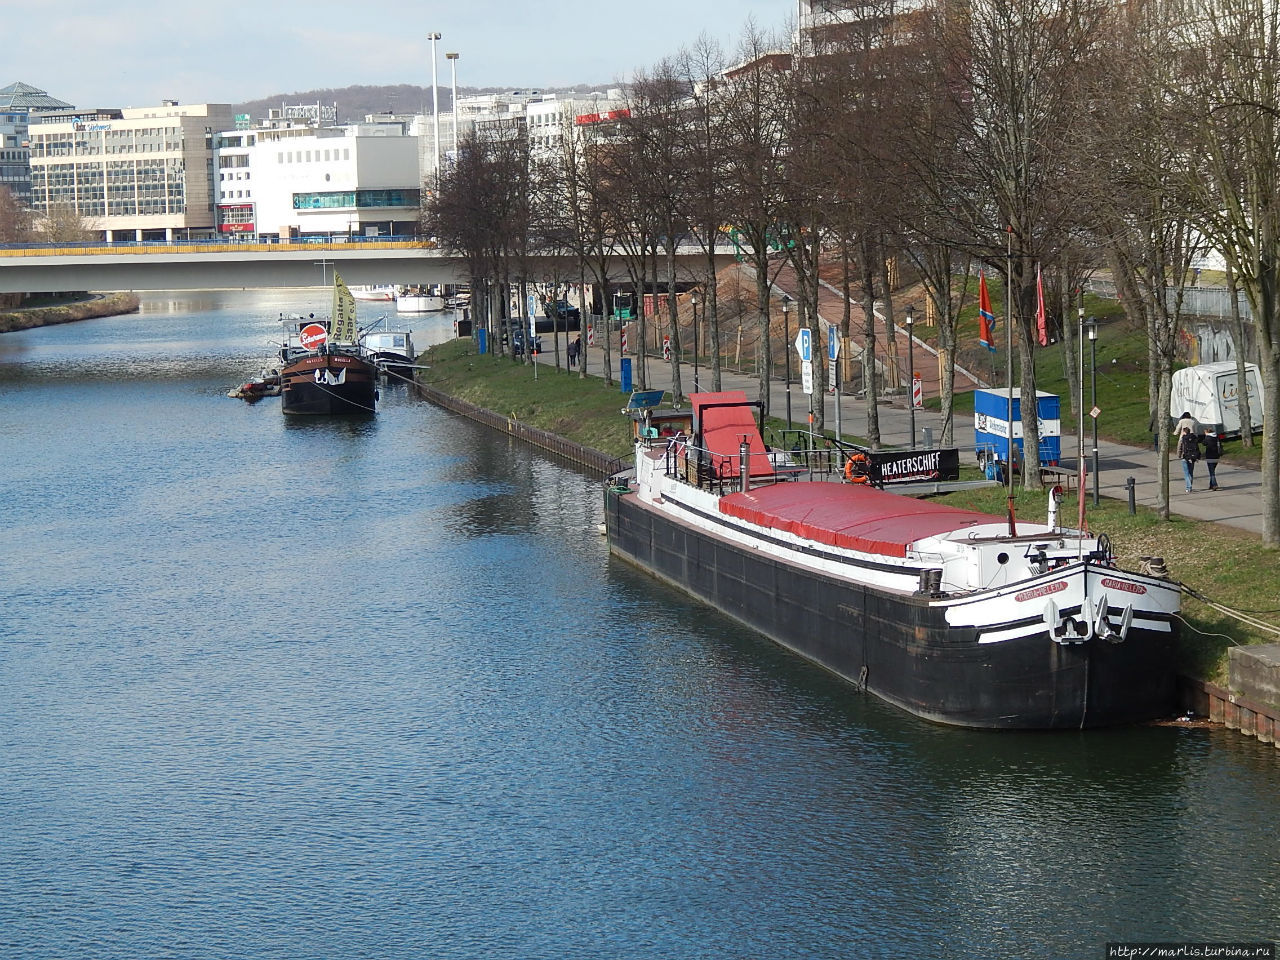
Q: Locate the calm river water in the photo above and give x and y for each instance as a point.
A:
(276, 688)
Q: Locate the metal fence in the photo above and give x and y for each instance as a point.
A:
(1196, 301)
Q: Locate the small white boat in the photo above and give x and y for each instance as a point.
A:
(392, 351)
(418, 300)
(379, 292)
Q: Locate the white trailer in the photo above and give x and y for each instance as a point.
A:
(1210, 392)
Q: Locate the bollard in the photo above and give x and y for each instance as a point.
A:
(1130, 484)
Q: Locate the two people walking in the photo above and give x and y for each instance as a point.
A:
(1189, 451)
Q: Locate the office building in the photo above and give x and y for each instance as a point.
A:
(141, 173)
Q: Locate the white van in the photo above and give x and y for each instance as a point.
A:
(1210, 392)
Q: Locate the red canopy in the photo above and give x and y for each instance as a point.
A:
(853, 516)
(722, 430)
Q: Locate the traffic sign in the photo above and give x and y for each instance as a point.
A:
(917, 392)
(804, 344)
(833, 343)
(806, 376)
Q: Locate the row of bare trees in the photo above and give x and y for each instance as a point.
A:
(1027, 136)
(18, 225)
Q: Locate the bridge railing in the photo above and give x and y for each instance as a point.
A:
(206, 245)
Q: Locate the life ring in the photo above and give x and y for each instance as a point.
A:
(858, 474)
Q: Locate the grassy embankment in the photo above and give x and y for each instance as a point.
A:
(49, 311)
(1225, 565)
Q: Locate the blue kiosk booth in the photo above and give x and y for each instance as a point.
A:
(994, 424)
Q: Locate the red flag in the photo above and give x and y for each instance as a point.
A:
(986, 319)
(1042, 322)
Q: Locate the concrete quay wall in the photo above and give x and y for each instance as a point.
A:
(1251, 701)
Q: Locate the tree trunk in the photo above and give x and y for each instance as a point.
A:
(1026, 308)
(1164, 387)
(890, 329)
(764, 290)
(677, 388)
(1238, 339)
(869, 346)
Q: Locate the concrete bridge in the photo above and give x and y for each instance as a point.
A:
(236, 265)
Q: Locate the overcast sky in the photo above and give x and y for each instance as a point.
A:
(139, 52)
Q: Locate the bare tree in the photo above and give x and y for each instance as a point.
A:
(460, 215)
(15, 219)
(703, 67)
(755, 105)
(1229, 90)
(1018, 68)
(61, 223)
(854, 112)
(15, 227)
(1140, 212)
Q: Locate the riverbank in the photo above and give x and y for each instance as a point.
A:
(1225, 570)
(96, 305)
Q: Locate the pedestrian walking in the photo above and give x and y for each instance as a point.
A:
(1212, 454)
(1188, 453)
(1186, 420)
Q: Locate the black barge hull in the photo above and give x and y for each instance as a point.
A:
(901, 648)
(334, 384)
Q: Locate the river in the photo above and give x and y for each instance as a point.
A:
(280, 688)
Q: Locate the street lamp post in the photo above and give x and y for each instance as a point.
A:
(911, 373)
(1093, 376)
(435, 100)
(1080, 403)
(453, 77)
(693, 301)
(786, 349)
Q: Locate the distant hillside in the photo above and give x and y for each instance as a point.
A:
(355, 103)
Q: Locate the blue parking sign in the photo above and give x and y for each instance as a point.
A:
(804, 344)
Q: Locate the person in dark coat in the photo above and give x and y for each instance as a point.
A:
(1188, 453)
(1212, 454)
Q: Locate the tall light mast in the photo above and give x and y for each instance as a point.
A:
(453, 71)
(435, 99)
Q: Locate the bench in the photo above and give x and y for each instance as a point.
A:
(1060, 476)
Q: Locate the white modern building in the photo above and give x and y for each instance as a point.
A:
(544, 117)
(293, 176)
(141, 173)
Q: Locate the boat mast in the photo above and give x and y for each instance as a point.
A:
(1008, 358)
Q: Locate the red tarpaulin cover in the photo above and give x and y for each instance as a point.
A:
(723, 429)
(852, 516)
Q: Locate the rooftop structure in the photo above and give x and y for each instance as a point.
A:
(18, 101)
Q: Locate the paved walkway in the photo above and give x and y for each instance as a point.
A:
(1237, 504)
